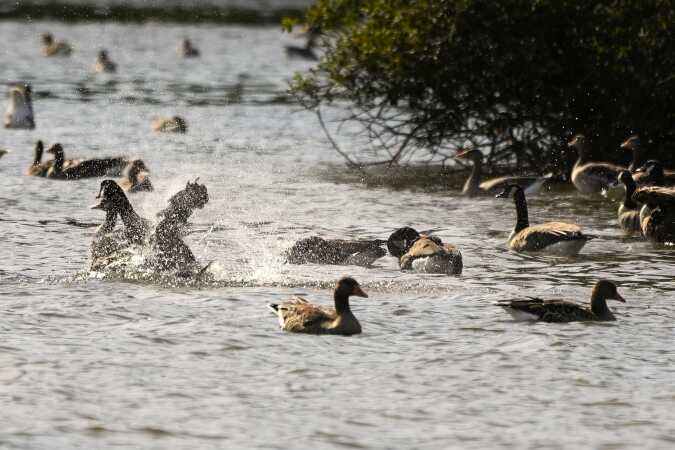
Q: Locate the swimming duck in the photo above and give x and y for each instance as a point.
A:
(474, 186)
(639, 161)
(564, 311)
(629, 213)
(186, 50)
(104, 64)
(591, 177)
(299, 316)
(54, 48)
(175, 124)
(306, 52)
(652, 173)
(316, 250)
(136, 179)
(657, 216)
(88, 168)
(422, 253)
(553, 237)
(19, 112)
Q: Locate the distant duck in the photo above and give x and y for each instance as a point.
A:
(104, 64)
(316, 250)
(657, 216)
(536, 309)
(474, 186)
(19, 112)
(591, 177)
(651, 173)
(306, 52)
(299, 316)
(88, 168)
(629, 212)
(174, 124)
(50, 47)
(422, 253)
(186, 50)
(558, 238)
(137, 178)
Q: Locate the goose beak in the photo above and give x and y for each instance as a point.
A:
(358, 292)
(619, 298)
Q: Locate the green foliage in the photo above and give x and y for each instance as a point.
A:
(517, 77)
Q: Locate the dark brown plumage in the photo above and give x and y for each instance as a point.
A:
(316, 250)
(629, 212)
(424, 253)
(88, 168)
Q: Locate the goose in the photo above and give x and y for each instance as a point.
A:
(19, 112)
(474, 186)
(639, 160)
(114, 202)
(652, 173)
(186, 50)
(104, 64)
(174, 124)
(590, 177)
(88, 168)
(422, 253)
(137, 178)
(306, 52)
(317, 250)
(629, 214)
(657, 216)
(50, 47)
(557, 238)
(538, 309)
(300, 316)
(39, 168)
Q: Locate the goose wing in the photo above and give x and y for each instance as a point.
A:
(662, 196)
(539, 236)
(603, 172)
(317, 250)
(550, 310)
(300, 316)
(495, 184)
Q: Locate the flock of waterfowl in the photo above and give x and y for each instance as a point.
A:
(647, 209)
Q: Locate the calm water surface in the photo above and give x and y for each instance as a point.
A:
(90, 363)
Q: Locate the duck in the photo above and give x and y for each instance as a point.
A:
(300, 316)
(50, 47)
(104, 64)
(174, 124)
(317, 250)
(657, 216)
(88, 168)
(639, 160)
(652, 173)
(19, 112)
(136, 179)
(307, 51)
(591, 177)
(186, 50)
(557, 238)
(422, 253)
(39, 168)
(474, 186)
(114, 202)
(537, 309)
(629, 212)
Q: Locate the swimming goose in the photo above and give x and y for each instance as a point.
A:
(639, 161)
(186, 50)
(174, 124)
(306, 52)
(299, 316)
(88, 168)
(104, 64)
(422, 253)
(136, 179)
(19, 112)
(39, 168)
(652, 173)
(629, 213)
(54, 48)
(657, 216)
(316, 250)
(591, 177)
(474, 186)
(553, 237)
(564, 311)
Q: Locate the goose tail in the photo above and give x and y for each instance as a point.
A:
(273, 307)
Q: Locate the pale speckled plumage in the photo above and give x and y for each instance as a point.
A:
(430, 255)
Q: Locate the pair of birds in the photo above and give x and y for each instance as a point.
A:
(647, 211)
(299, 316)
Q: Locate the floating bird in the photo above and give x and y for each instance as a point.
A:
(174, 124)
(639, 160)
(19, 112)
(554, 237)
(657, 216)
(88, 168)
(629, 212)
(474, 186)
(50, 47)
(299, 316)
(316, 250)
(652, 173)
(104, 64)
(307, 52)
(422, 253)
(564, 311)
(186, 50)
(591, 177)
(137, 178)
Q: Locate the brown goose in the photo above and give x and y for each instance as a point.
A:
(564, 311)
(591, 177)
(317, 250)
(554, 237)
(299, 316)
(88, 168)
(629, 213)
(50, 47)
(474, 186)
(657, 216)
(422, 253)
(137, 178)
(104, 64)
(174, 124)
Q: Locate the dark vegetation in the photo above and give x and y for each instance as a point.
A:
(515, 78)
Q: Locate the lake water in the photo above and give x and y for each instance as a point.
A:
(91, 363)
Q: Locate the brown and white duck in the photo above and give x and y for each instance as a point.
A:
(104, 64)
(174, 124)
(557, 238)
(629, 210)
(19, 112)
(317, 250)
(592, 177)
(137, 178)
(50, 47)
(187, 50)
(88, 168)
(422, 253)
(537, 309)
(657, 216)
(474, 185)
(300, 316)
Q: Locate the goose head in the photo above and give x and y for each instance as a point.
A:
(401, 240)
(632, 143)
(348, 286)
(111, 197)
(580, 144)
(607, 290)
(136, 167)
(180, 124)
(472, 154)
(47, 39)
(57, 151)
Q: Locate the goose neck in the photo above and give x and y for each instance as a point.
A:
(628, 202)
(341, 303)
(599, 305)
(522, 219)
